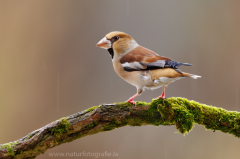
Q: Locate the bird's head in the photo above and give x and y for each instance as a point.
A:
(117, 42)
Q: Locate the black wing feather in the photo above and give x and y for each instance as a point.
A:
(175, 65)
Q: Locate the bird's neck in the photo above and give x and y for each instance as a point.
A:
(120, 52)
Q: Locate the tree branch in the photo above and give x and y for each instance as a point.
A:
(172, 111)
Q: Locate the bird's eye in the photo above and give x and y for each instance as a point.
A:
(116, 37)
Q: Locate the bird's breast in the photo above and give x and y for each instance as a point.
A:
(133, 77)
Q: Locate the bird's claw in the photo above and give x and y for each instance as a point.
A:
(131, 101)
(162, 97)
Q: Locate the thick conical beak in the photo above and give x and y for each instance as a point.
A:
(104, 43)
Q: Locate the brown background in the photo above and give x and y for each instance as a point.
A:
(50, 68)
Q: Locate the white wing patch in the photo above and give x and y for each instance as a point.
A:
(158, 63)
(133, 65)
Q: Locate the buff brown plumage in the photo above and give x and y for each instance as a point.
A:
(140, 66)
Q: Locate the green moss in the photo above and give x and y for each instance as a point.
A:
(10, 147)
(92, 108)
(136, 121)
(77, 137)
(124, 104)
(114, 123)
(142, 103)
(92, 125)
(109, 127)
(177, 113)
(62, 127)
(89, 126)
(187, 112)
(149, 116)
(183, 114)
(30, 136)
(11, 151)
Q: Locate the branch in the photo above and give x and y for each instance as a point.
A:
(172, 111)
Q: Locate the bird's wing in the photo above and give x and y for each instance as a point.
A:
(142, 58)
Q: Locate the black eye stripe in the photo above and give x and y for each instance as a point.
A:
(113, 39)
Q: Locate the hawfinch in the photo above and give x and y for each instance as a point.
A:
(140, 66)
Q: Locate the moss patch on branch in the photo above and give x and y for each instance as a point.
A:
(179, 112)
(183, 113)
(62, 127)
(92, 108)
(9, 147)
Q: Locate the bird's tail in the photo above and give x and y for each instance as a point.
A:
(191, 75)
(195, 76)
(185, 64)
(174, 64)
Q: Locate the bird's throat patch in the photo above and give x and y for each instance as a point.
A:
(110, 50)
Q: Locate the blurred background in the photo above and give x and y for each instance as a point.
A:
(51, 68)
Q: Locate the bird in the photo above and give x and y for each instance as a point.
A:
(139, 66)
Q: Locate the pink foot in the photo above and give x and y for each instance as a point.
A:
(131, 101)
(163, 97)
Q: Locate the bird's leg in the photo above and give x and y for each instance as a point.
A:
(139, 92)
(163, 93)
(130, 100)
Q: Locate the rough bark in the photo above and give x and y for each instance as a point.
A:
(172, 111)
